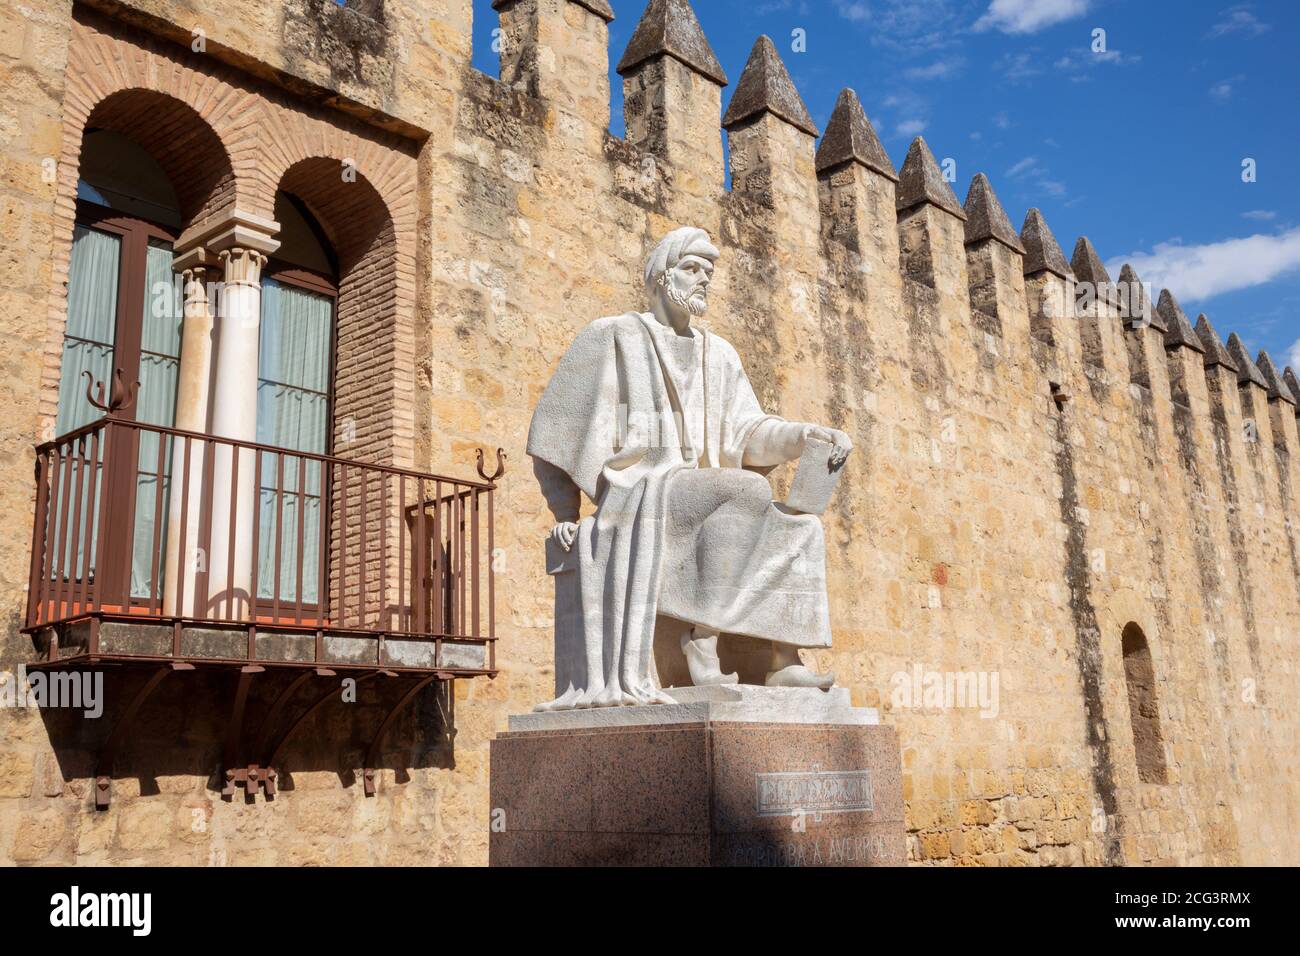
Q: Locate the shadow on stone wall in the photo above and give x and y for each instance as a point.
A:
(183, 728)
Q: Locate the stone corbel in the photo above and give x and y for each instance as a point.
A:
(204, 241)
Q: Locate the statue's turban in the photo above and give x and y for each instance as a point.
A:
(674, 247)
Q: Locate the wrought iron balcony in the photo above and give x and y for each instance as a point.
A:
(153, 544)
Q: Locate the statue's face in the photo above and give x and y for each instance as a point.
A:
(687, 284)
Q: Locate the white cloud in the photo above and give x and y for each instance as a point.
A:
(1029, 16)
(1077, 62)
(1222, 92)
(1239, 19)
(912, 128)
(856, 10)
(1204, 271)
(1293, 357)
(1017, 67)
(1002, 121)
(938, 70)
(1024, 166)
(1260, 215)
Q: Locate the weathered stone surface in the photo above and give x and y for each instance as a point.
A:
(985, 217)
(921, 181)
(1289, 377)
(1216, 353)
(765, 87)
(1091, 275)
(1277, 387)
(1135, 301)
(601, 8)
(850, 137)
(1247, 370)
(1042, 252)
(1179, 332)
(670, 28)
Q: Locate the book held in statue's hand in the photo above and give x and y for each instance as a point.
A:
(815, 479)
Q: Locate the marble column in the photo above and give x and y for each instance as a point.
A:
(183, 554)
(234, 415)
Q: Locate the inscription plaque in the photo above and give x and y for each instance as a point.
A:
(813, 792)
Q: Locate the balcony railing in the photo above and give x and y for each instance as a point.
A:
(367, 564)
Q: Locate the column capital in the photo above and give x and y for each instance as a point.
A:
(243, 266)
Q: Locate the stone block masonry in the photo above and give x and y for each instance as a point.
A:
(1039, 472)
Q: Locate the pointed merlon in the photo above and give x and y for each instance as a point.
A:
(1247, 370)
(670, 28)
(850, 138)
(1042, 252)
(1288, 376)
(1179, 331)
(1216, 353)
(1134, 302)
(1088, 269)
(985, 217)
(920, 181)
(600, 8)
(1277, 389)
(766, 87)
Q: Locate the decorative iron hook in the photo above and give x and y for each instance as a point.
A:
(120, 398)
(501, 467)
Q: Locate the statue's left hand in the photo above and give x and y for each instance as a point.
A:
(841, 440)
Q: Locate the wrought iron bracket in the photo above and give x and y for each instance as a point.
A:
(120, 396)
(249, 777)
(501, 467)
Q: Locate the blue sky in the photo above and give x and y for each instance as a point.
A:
(1135, 138)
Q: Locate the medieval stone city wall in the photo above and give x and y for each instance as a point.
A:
(1036, 485)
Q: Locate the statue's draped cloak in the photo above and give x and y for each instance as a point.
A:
(612, 420)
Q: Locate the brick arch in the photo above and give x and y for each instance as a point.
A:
(371, 298)
(133, 86)
(267, 139)
(189, 151)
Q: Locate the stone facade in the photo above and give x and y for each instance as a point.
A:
(1035, 475)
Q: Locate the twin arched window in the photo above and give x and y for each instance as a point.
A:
(125, 312)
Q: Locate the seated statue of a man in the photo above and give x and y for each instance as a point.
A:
(655, 421)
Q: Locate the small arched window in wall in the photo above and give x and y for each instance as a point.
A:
(1144, 713)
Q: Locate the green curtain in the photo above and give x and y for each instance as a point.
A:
(292, 413)
(87, 346)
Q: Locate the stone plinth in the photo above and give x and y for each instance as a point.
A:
(704, 784)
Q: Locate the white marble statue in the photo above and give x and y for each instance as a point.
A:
(656, 423)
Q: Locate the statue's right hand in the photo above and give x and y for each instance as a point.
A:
(565, 532)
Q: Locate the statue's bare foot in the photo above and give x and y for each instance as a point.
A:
(797, 675)
(615, 696)
(647, 693)
(701, 650)
(566, 701)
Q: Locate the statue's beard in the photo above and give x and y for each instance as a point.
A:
(695, 302)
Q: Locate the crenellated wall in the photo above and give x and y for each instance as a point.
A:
(1041, 462)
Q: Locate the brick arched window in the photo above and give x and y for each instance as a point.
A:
(148, 166)
(1143, 707)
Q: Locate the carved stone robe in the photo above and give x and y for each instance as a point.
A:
(657, 430)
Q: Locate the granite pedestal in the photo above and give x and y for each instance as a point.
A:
(728, 776)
